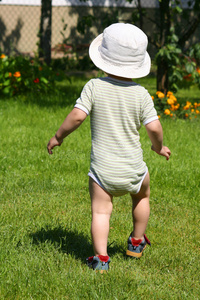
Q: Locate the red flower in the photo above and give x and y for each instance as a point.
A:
(187, 77)
(36, 80)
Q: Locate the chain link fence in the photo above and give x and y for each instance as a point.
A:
(19, 24)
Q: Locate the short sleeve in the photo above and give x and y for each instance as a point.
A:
(85, 101)
(149, 112)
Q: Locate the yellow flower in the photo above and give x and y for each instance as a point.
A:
(160, 95)
(172, 97)
(2, 56)
(170, 101)
(17, 74)
(192, 110)
(169, 94)
(197, 111)
(167, 112)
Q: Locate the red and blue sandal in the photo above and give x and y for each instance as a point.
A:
(136, 247)
(99, 263)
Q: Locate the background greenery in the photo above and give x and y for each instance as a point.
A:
(45, 209)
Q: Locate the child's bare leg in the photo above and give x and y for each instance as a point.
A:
(141, 209)
(101, 203)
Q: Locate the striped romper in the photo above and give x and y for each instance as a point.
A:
(116, 110)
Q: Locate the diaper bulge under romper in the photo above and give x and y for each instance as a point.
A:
(116, 110)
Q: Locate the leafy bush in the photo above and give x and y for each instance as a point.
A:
(183, 68)
(20, 74)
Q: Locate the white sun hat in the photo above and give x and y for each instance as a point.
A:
(121, 51)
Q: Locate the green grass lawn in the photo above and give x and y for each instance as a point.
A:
(45, 210)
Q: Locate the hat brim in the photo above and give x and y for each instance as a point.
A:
(126, 71)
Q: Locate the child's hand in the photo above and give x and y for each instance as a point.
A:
(53, 143)
(164, 151)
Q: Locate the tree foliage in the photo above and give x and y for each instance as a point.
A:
(173, 57)
(175, 61)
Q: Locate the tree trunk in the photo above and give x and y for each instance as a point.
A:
(45, 31)
(140, 14)
(162, 76)
(165, 25)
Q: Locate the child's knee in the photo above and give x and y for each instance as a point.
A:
(101, 207)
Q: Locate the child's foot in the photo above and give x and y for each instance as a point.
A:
(136, 247)
(99, 263)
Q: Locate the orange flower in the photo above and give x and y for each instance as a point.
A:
(176, 106)
(186, 115)
(195, 105)
(171, 115)
(2, 56)
(198, 70)
(158, 116)
(17, 74)
(188, 105)
(197, 111)
(172, 107)
(10, 74)
(152, 97)
(167, 112)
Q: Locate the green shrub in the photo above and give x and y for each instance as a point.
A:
(20, 74)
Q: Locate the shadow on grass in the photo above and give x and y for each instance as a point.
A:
(63, 97)
(64, 94)
(70, 242)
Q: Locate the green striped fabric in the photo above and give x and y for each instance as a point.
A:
(116, 110)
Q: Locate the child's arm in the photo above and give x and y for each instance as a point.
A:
(74, 119)
(155, 133)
